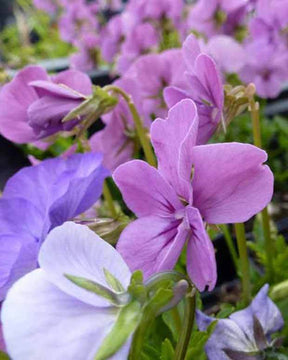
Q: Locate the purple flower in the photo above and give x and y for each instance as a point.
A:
(266, 66)
(56, 318)
(220, 183)
(33, 104)
(244, 332)
(36, 200)
(153, 73)
(211, 16)
(117, 140)
(203, 86)
(50, 6)
(77, 21)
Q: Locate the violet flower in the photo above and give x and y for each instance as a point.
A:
(36, 200)
(210, 16)
(219, 183)
(203, 86)
(33, 104)
(153, 73)
(266, 66)
(64, 320)
(245, 333)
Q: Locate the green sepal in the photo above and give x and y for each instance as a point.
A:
(127, 322)
(119, 299)
(114, 283)
(136, 288)
(96, 105)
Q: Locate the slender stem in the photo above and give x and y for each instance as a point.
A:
(187, 327)
(230, 245)
(141, 131)
(244, 261)
(109, 200)
(177, 318)
(269, 247)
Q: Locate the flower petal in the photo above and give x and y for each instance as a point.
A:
(173, 140)
(172, 95)
(51, 324)
(144, 190)
(152, 244)
(76, 80)
(15, 98)
(201, 262)
(230, 182)
(191, 50)
(76, 250)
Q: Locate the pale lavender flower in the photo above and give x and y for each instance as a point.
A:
(33, 104)
(172, 202)
(244, 333)
(56, 319)
(39, 198)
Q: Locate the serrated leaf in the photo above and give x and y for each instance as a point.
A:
(127, 322)
(114, 283)
(167, 350)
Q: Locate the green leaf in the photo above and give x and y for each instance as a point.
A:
(114, 283)
(4, 356)
(167, 350)
(91, 286)
(198, 341)
(127, 322)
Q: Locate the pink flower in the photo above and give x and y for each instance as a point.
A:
(219, 183)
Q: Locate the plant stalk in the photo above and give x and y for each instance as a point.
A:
(244, 261)
(269, 247)
(109, 200)
(141, 131)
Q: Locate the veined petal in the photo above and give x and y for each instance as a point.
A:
(230, 182)
(201, 262)
(15, 98)
(74, 79)
(152, 244)
(173, 140)
(51, 324)
(76, 250)
(144, 190)
(172, 95)
(48, 88)
(190, 50)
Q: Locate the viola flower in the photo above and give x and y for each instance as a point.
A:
(172, 202)
(210, 17)
(39, 198)
(203, 86)
(33, 104)
(244, 333)
(65, 321)
(117, 141)
(153, 73)
(266, 66)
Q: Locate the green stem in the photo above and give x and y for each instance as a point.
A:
(109, 200)
(244, 261)
(230, 245)
(176, 318)
(187, 327)
(141, 131)
(269, 247)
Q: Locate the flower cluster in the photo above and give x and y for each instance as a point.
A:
(67, 293)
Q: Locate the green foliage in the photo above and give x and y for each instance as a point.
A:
(17, 48)
(128, 320)
(3, 356)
